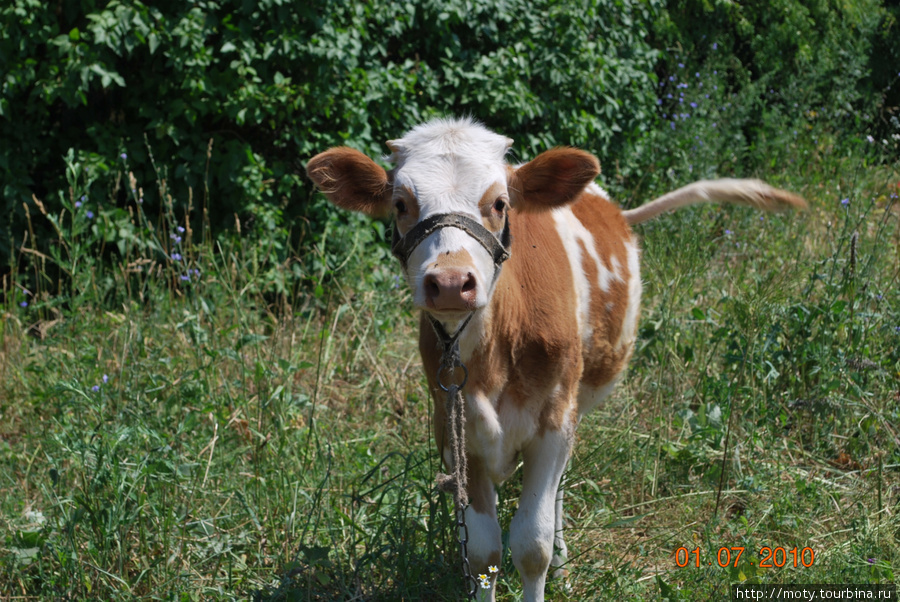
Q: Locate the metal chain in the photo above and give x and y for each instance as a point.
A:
(462, 535)
(456, 481)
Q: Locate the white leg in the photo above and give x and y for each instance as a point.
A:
(485, 545)
(532, 531)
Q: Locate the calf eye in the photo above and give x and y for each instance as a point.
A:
(499, 205)
(400, 206)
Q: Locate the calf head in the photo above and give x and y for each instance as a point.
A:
(453, 167)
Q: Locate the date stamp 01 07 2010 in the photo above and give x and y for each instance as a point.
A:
(731, 556)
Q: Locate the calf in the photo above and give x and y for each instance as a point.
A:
(545, 338)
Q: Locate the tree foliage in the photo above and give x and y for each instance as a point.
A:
(228, 98)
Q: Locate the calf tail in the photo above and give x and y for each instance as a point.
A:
(753, 193)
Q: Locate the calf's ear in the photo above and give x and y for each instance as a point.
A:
(553, 178)
(351, 180)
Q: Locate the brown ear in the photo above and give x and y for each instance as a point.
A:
(351, 180)
(553, 178)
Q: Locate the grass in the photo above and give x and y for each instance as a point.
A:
(175, 438)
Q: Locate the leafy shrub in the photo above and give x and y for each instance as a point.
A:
(217, 105)
(776, 69)
(232, 97)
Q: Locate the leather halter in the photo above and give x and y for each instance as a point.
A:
(403, 246)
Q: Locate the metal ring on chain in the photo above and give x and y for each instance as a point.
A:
(459, 386)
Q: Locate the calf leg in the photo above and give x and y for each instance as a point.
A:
(533, 529)
(485, 545)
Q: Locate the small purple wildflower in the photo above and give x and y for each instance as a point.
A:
(194, 272)
(672, 124)
(123, 156)
(23, 304)
(715, 45)
(697, 74)
(95, 388)
(90, 215)
(78, 204)
(694, 105)
(845, 202)
(728, 232)
(681, 65)
(180, 229)
(176, 256)
(897, 329)
(870, 560)
(105, 379)
(185, 277)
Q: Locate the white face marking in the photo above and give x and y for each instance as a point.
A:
(449, 165)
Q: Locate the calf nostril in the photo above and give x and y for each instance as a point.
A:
(432, 290)
(469, 284)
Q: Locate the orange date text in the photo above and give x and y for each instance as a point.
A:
(731, 556)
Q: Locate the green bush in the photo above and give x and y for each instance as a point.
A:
(215, 106)
(269, 84)
(775, 70)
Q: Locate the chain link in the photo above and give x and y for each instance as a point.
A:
(470, 583)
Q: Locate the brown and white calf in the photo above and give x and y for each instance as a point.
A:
(551, 330)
